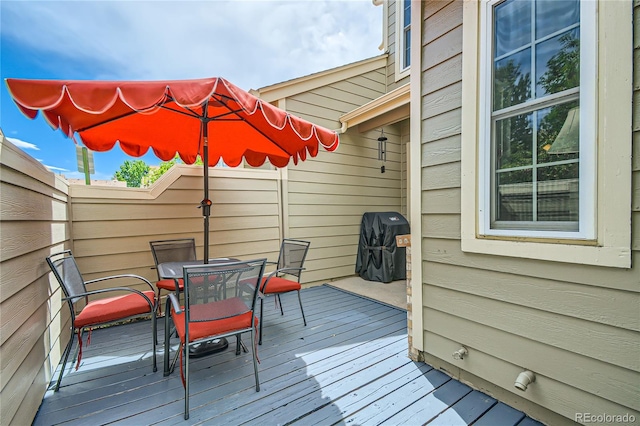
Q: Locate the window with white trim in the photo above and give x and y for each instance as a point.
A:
(406, 34)
(403, 38)
(537, 118)
(546, 130)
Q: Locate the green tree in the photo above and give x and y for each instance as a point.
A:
(563, 72)
(132, 172)
(154, 174)
(514, 135)
(511, 85)
(137, 173)
(563, 69)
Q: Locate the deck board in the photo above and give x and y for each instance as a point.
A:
(348, 366)
(321, 388)
(362, 397)
(467, 410)
(500, 414)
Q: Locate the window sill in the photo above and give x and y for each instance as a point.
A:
(402, 74)
(578, 252)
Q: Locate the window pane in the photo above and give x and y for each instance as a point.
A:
(407, 13)
(535, 153)
(512, 80)
(558, 193)
(407, 48)
(558, 63)
(514, 196)
(559, 133)
(554, 15)
(512, 26)
(514, 142)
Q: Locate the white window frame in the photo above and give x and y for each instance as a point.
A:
(604, 235)
(400, 70)
(587, 187)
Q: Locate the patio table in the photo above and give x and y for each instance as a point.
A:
(174, 270)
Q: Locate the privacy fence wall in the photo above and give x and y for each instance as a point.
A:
(34, 213)
(109, 230)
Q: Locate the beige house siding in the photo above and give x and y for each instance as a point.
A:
(327, 195)
(575, 326)
(112, 227)
(34, 221)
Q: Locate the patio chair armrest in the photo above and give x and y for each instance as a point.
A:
(276, 273)
(111, 277)
(106, 290)
(271, 275)
(286, 270)
(175, 303)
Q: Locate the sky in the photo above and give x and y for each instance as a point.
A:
(253, 44)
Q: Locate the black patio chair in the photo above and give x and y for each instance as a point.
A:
(290, 263)
(219, 301)
(176, 250)
(93, 311)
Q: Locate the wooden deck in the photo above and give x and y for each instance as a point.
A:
(348, 366)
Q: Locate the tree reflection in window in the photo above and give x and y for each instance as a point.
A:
(538, 184)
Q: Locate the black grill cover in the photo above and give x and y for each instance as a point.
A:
(379, 259)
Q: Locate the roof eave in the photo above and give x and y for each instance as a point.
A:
(323, 78)
(397, 100)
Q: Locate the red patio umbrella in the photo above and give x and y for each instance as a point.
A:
(170, 117)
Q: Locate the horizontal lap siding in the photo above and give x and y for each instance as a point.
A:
(112, 231)
(327, 195)
(33, 224)
(576, 326)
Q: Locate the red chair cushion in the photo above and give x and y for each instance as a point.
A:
(279, 285)
(232, 313)
(113, 308)
(170, 284)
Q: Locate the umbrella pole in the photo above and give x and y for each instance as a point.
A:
(206, 202)
(216, 345)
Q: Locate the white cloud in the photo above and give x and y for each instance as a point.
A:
(22, 144)
(251, 43)
(28, 145)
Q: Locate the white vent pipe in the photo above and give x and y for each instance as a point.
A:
(524, 379)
